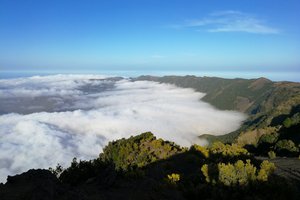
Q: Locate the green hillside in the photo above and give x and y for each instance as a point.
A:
(268, 104)
(226, 94)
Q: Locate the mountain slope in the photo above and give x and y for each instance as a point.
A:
(267, 103)
(226, 94)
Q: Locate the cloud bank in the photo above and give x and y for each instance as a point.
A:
(88, 111)
(231, 21)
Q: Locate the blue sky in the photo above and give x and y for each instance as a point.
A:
(241, 35)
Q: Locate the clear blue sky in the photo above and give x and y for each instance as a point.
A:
(248, 35)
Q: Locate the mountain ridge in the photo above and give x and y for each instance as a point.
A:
(261, 99)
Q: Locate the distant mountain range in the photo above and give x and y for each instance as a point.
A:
(268, 104)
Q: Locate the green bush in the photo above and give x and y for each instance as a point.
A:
(287, 123)
(138, 151)
(240, 173)
(266, 143)
(204, 170)
(268, 138)
(286, 148)
(202, 150)
(173, 178)
(266, 168)
(272, 154)
(228, 150)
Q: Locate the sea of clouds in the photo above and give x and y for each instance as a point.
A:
(47, 120)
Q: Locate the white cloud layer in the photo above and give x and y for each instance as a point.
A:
(43, 139)
(45, 85)
(231, 21)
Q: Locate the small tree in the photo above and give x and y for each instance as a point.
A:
(57, 171)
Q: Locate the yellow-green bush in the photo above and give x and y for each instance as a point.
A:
(204, 170)
(266, 168)
(228, 150)
(240, 173)
(227, 174)
(173, 178)
(272, 154)
(203, 150)
(250, 170)
(138, 151)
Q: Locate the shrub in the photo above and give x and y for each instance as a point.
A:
(268, 138)
(287, 123)
(173, 178)
(227, 174)
(266, 168)
(240, 173)
(250, 170)
(286, 148)
(204, 170)
(78, 172)
(138, 151)
(228, 150)
(203, 150)
(57, 171)
(272, 154)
